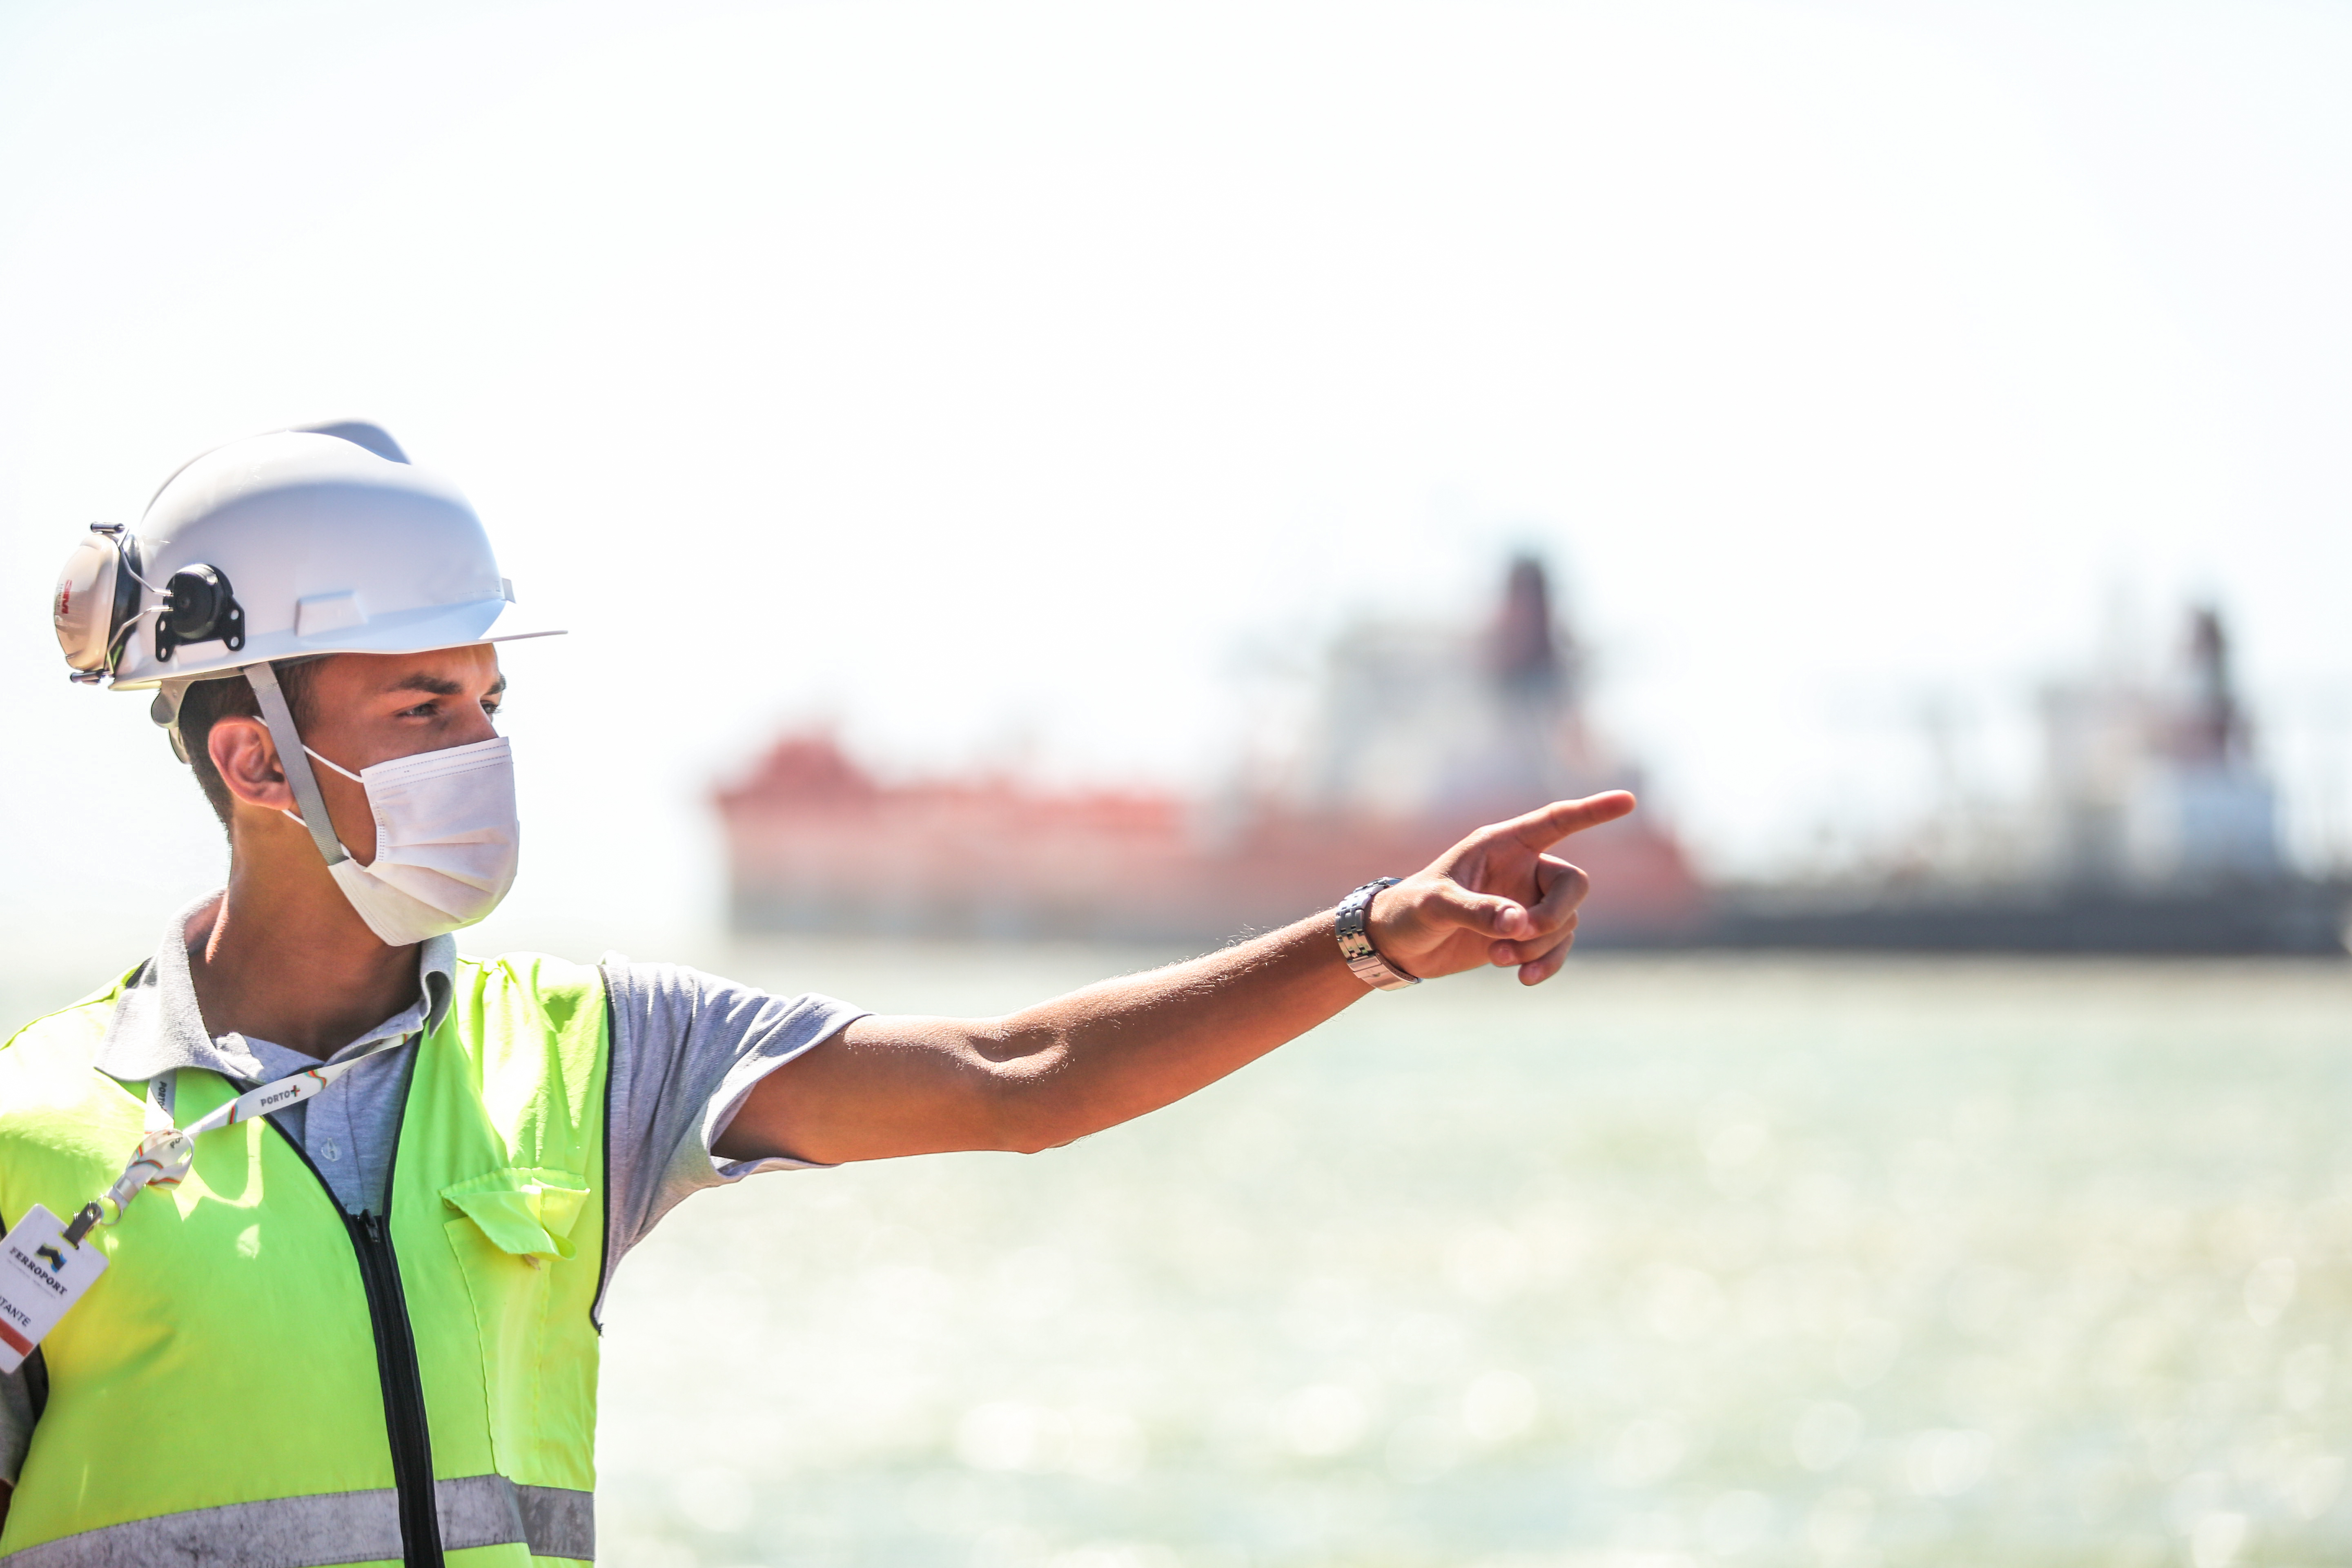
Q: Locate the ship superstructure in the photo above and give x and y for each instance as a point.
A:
(2154, 783)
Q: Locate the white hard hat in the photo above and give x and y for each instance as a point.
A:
(322, 540)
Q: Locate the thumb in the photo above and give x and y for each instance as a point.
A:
(1448, 903)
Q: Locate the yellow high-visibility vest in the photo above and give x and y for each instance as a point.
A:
(259, 1380)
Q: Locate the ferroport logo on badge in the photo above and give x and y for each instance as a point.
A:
(36, 1271)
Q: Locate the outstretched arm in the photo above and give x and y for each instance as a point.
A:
(1038, 1079)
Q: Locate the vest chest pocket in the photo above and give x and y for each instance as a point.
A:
(512, 1227)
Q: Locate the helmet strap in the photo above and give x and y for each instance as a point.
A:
(280, 717)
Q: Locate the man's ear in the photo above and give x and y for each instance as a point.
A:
(247, 758)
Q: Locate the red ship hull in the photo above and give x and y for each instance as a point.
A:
(817, 845)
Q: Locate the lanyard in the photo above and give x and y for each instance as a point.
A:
(164, 1154)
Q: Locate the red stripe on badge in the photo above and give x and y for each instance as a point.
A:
(14, 1340)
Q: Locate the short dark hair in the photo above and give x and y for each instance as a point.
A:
(208, 702)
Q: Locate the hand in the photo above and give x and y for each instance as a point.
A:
(1495, 898)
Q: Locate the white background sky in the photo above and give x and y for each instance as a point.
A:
(994, 377)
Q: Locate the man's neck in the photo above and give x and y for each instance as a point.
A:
(286, 959)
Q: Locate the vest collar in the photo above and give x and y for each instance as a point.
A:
(158, 1027)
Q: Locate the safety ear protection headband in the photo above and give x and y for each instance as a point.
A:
(97, 605)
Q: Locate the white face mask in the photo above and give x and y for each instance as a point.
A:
(447, 840)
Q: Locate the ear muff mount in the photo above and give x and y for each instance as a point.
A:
(199, 605)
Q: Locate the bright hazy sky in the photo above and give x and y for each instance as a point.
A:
(1006, 380)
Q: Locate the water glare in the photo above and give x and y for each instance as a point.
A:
(1682, 1264)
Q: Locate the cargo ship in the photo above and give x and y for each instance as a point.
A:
(1424, 733)
(2154, 830)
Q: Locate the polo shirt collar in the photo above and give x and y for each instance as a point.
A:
(158, 1027)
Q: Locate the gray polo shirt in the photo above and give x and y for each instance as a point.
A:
(687, 1047)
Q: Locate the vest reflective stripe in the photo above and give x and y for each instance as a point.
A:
(332, 1528)
(233, 1326)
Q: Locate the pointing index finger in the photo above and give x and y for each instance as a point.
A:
(1539, 830)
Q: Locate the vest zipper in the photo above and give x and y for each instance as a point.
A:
(396, 1369)
(404, 1390)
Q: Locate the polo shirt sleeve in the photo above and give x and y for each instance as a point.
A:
(687, 1048)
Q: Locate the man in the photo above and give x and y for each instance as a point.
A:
(352, 1316)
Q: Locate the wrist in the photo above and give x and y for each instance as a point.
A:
(1352, 925)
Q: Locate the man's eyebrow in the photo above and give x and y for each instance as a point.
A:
(440, 685)
(433, 685)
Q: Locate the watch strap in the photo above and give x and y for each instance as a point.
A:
(1351, 921)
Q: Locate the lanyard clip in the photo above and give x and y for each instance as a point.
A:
(161, 1160)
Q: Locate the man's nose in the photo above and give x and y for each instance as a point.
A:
(479, 727)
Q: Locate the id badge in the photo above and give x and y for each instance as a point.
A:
(41, 1275)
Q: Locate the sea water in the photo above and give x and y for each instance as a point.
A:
(1671, 1261)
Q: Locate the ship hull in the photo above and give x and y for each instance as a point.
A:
(2287, 917)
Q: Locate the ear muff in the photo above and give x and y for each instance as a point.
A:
(96, 601)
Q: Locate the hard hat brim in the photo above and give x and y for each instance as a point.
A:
(413, 631)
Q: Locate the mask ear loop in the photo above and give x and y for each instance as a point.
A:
(292, 755)
(337, 766)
